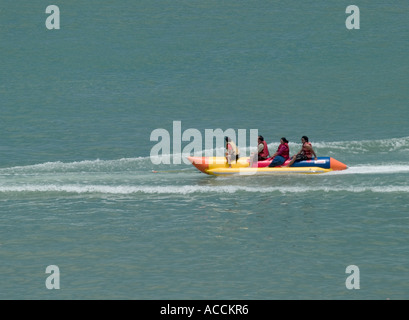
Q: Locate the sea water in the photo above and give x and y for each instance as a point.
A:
(79, 190)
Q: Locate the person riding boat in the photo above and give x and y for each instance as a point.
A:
(281, 155)
(261, 154)
(232, 151)
(305, 153)
(262, 149)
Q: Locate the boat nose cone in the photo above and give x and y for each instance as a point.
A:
(200, 163)
(337, 165)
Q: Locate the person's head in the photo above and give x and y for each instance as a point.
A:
(260, 139)
(227, 139)
(304, 139)
(284, 140)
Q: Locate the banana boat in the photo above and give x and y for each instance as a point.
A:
(218, 166)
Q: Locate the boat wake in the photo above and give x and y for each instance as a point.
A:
(194, 189)
(373, 169)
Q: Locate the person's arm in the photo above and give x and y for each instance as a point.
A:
(313, 152)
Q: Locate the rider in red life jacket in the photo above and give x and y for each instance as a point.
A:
(281, 155)
(261, 153)
(305, 153)
(262, 149)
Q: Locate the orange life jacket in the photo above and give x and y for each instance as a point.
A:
(307, 152)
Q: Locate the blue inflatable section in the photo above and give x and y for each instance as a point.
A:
(321, 162)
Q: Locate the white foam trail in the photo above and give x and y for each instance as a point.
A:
(190, 189)
(72, 166)
(373, 169)
(366, 146)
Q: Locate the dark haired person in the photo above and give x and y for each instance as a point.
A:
(281, 155)
(232, 151)
(262, 149)
(305, 153)
(262, 152)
